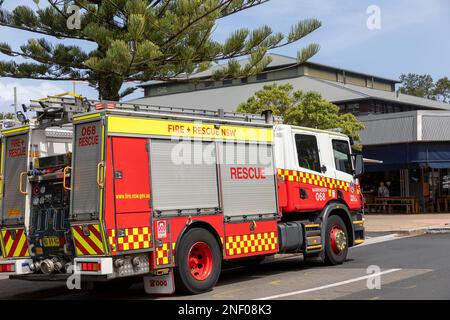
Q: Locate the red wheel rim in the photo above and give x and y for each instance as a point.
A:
(200, 261)
(338, 240)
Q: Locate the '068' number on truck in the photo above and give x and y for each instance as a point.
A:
(88, 137)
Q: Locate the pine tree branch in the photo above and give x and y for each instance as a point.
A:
(13, 53)
(45, 32)
(192, 22)
(253, 3)
(52, 78)
(101, 21)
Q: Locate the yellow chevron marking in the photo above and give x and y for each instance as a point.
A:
(84, 244)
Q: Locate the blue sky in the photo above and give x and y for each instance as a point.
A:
(413, 38)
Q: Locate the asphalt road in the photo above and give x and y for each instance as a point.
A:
(409, 268)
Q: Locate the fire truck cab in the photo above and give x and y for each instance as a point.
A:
(169, 194)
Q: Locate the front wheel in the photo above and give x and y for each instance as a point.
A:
(199, 262)
(336, 241)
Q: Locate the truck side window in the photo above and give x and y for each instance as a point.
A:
(342, 157)
(307, 152)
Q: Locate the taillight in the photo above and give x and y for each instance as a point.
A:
(90, 266)
(7, 267)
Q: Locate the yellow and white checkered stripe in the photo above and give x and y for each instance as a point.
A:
(251, 243)
(313, 179)
(134, 239)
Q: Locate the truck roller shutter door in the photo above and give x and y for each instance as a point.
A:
(86, 159)
(181, 179)
(248, 180)
(15, 162)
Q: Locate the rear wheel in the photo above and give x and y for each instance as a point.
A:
(199, 262)
(336, 241)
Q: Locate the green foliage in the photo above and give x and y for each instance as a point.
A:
(139, 40)
(300, 108)
(442, 90)
(424, 86)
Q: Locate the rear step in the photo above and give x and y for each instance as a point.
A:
(313, 238)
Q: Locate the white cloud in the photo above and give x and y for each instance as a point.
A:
(25, 93)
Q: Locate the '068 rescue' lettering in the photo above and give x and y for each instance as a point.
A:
(244, 173)
(88, 137)
(17, 148)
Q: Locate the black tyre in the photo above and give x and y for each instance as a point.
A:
(336, 241)
(199, 262)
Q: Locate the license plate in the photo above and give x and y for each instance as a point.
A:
(163, 284)
(50, 241)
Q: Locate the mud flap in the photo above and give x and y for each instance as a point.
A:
(160, 284)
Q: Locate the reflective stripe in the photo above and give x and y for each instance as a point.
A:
(128, 125)
(313, 179)
(162, 254)
(8, 131)
(91, 244)
(134, 239)
(17, 247)
(251, 243)
(86, 117)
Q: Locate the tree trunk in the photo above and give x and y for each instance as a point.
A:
(109, 86)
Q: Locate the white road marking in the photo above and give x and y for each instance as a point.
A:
(4, 277)
(380, 239)
(329, 285)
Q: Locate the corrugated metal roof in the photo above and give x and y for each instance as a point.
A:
(391, 96)
(404, 127)
(228, 98)
(278, 60)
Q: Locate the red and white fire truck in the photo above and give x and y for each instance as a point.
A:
(168, 194)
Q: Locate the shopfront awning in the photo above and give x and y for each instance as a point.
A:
(408, 156)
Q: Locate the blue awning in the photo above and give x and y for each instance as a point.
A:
(408, 156)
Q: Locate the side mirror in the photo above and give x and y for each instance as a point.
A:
(358, 165)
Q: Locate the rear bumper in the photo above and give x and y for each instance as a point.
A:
(106, 266)
(17, 267)
(41, 277)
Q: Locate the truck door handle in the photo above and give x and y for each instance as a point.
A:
(303, 193)
(100, 180)
(21, 184)
(64, 179)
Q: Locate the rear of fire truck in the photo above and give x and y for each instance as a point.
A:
(35, 203)
(36, 240)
